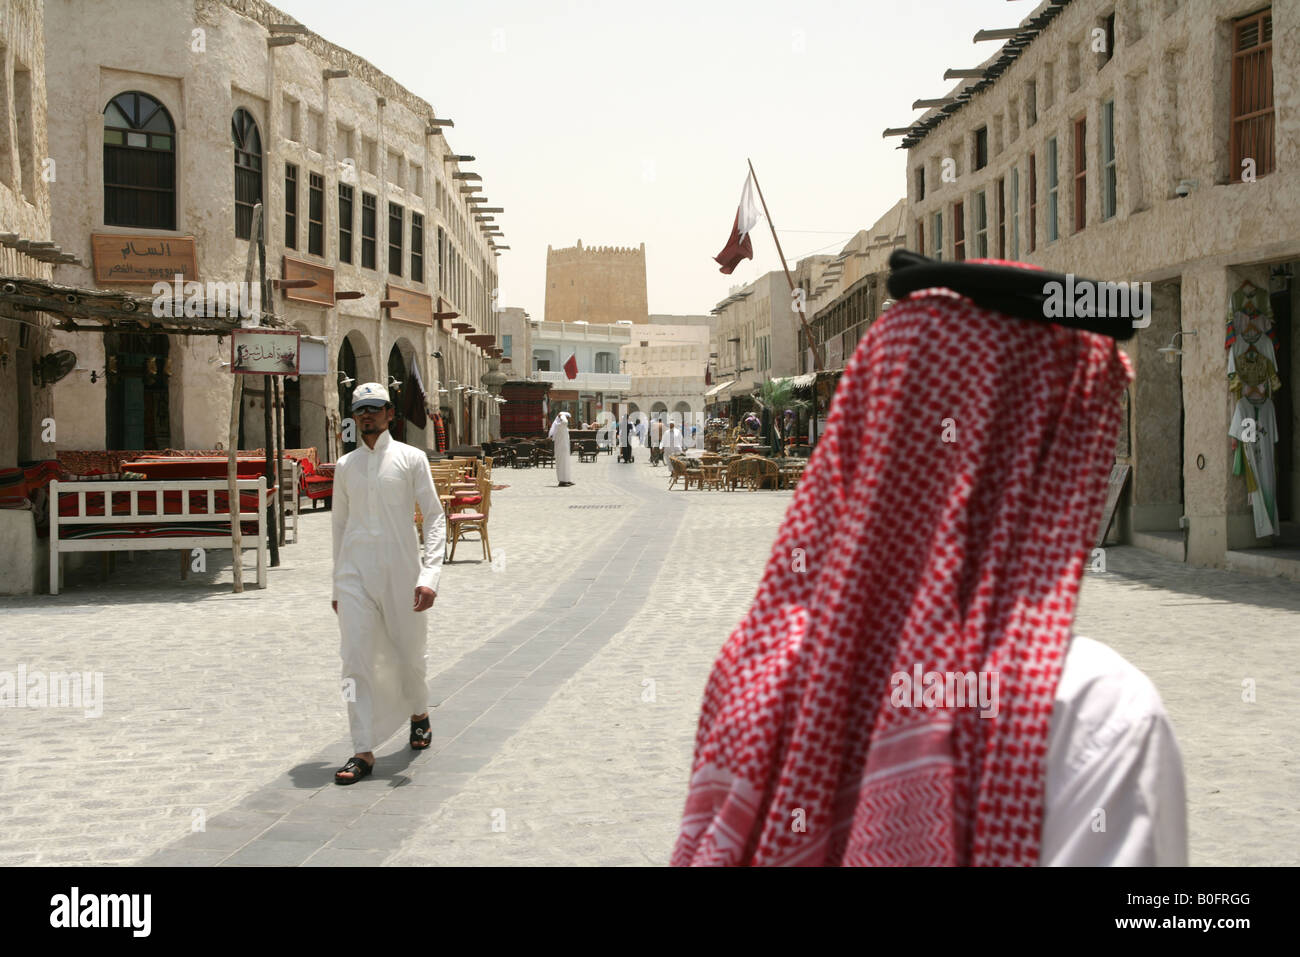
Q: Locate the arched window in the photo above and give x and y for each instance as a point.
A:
(248, 171)
(139, 163)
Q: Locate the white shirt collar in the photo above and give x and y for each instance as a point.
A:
(381, 444)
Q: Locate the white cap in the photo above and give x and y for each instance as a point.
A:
(370, 394)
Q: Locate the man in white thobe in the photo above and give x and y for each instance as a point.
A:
(382, 583)
(671, 442)
(559, 434)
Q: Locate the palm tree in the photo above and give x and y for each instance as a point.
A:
(777, 396)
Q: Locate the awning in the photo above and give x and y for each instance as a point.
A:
(719, 387)
(799, 381)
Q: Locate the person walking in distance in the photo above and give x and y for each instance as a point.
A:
(672, 442)
(626, 434)
(656, 433)
(382, 583)
(559, 434)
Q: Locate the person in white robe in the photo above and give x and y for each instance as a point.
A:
(559, 434)
(672, 442)
(382, 582)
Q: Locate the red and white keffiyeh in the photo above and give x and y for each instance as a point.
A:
(943, 522)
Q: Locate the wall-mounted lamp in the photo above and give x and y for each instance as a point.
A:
(344, 379)
(394, 383)
(1172, 349)
(436, 354)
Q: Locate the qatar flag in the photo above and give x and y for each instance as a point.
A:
(739, 246)
(571, 366)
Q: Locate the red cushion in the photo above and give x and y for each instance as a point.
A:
(467, 500)
(467, 517)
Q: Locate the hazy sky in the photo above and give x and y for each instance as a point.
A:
(623, 121)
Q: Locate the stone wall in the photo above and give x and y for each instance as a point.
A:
(24, 211)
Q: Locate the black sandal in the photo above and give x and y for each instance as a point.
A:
(421, 735)
(357, 767)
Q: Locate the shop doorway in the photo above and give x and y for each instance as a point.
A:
(138, 413)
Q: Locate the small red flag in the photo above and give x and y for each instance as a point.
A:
(571, 367)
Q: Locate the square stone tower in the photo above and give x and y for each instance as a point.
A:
(598, 284)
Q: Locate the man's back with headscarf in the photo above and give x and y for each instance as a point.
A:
(941, 528)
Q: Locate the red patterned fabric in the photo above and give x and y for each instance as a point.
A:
(173, 503)
(902, 549)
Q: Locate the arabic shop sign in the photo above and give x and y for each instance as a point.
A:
(121, 258)
(264, 352)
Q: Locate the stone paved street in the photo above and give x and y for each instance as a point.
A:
(566, 685)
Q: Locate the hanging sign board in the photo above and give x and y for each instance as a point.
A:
(264, 352)
(121, 258)
(412, 306)
(321, 294)
(313, 357)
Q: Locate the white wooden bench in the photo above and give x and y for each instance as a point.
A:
(79, 491)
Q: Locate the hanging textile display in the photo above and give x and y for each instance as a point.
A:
(1252, 380)
(440, 432)
(415, 398)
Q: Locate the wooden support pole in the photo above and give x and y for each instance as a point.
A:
(236, 401)
(817, 356)
(271, 480)
(279, 450)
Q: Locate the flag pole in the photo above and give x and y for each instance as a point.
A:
(817, 356)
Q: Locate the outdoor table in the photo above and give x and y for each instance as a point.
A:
(712, 476)
(790, 471)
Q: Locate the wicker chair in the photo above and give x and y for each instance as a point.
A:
(544, 455)
(678, 470)
(740, 472)
(587, 450)
(765, 471)
(473, 520)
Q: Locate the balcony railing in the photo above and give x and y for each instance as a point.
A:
(588, 381)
